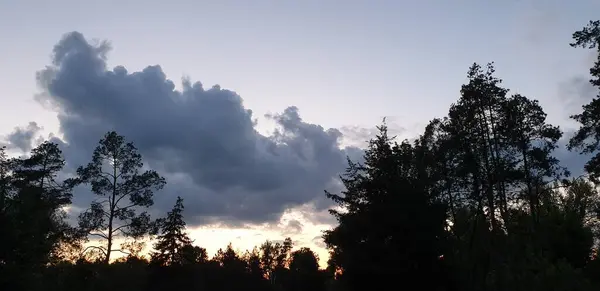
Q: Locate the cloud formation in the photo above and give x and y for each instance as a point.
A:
(202, 140)
(577, 90)
(22, 138)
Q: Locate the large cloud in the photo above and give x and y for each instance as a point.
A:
(203, 140)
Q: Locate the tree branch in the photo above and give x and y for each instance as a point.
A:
(128, 191)
(110, 176)
(103, 201)
(126, 207)
(120, 228)
(102, 249)
(99, 234)
(121, 251)
(121, 197)
(103, 176)
(103, 211)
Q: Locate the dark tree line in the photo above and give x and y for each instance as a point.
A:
(477, 202)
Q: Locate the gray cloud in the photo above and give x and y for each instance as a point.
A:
(294, 226)
(577, 90)
(23, 138)
(318, 241)
(572, 160)
(202, 140)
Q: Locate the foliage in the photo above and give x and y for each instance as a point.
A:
(31, 214)
(114, 175)
(173, 237)
(587, 137)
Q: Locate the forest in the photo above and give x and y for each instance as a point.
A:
(478, 201)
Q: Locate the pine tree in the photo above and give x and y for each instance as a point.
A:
(32, 221)
(114, 174)
(390, 227)
(587, 137)
(173, 237)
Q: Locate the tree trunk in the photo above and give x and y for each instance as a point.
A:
(113, 204)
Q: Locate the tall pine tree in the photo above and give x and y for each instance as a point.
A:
(123, 190)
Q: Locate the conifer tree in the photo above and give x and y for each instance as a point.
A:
(389, 229)
(173, 237)
(587, 137)
(123, 189)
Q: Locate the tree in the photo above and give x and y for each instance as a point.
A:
(42, 196)
(304, 260)
(489, 160)
(268, 253)
(190, 255)
(172, 238)
(252, 259)
(230, 260)
(5, 178)
(114, 175)
(587, 137)
(528, 134)
(571, 220)
(390, 227)
(304, 271)
(31, 214)
(274, 258)
(474, 146)
(5, 197)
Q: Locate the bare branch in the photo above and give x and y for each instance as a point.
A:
(100, 234)
(103, 212)
(110, 176)
(100, 202)
(121, 251)
(103, 175)
(102, 249)
(121, 197)
(120, 228)
(127, 207)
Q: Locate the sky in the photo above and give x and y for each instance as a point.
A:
(300, 86)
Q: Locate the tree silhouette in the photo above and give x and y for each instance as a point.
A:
(190, 255)
(489, 161)
(274, 258)
(230, 260)
(114, 174)
(172, 238)
(587, 137)
(252, 259)
(31, 218)
(390, 228)
(304, 260)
